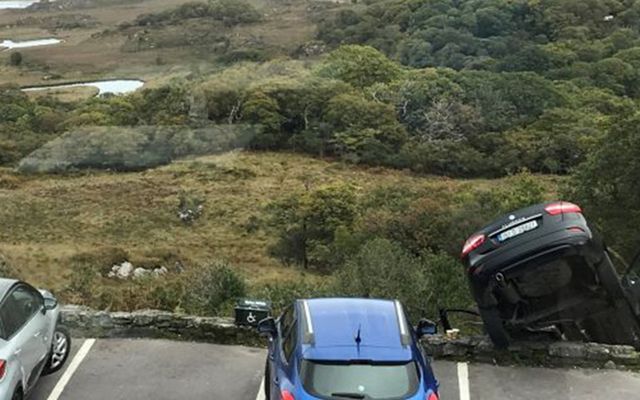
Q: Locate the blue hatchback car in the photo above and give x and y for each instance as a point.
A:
(346, 348)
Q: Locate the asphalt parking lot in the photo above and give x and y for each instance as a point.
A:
(119, 369)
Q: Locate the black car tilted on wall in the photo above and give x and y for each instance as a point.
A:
(544, 267)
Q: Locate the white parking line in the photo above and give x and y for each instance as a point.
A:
(71, 369)
(261, 395)
(463, 381)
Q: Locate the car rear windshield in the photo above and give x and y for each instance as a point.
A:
(370, 380)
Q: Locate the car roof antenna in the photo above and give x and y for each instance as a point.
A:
(358, 338)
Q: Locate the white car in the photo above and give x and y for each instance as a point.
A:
(32, 342)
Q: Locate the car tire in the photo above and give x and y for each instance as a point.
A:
(494, 326)
(17, 394)
(609, 278)
(60, 349)
(267, 381)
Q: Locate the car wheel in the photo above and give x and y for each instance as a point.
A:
(495, 327)
(17, 395)
(60, 348)
(267, 381)
(609, 279)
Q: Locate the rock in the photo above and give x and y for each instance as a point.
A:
(140, 273)
(159, 271)
(567, 350)
(122, 271)
(609, 365)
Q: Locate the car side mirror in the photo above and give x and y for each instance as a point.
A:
(50, 303)
(267, 327)
(426, 327)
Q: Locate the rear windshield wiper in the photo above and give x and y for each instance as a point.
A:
(349, 395)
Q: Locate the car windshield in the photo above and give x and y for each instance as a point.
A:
(329, 379)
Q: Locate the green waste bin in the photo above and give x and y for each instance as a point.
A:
(250, 312)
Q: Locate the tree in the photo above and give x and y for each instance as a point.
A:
(558, 141)
(606, 185)
(361, 66)
(415, 52)
(263, 110)
(364, 129)
(305, 223)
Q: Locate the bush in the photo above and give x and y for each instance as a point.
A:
(447, 276)
(383, 269)
(15, 59)
(283, 294)
(213, 289)
(229, 12)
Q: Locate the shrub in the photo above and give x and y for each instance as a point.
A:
(15, 59)
(383, 269)
(282, 294)
(229, 12)
(213, 288)
(447, 277)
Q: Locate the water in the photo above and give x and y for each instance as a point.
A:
(10, 44)
(117, 86)
(5, 5)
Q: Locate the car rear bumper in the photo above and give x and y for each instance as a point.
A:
(9, 383)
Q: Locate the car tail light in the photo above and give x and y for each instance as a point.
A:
(3, 368)
(286, 395)
(472, 243)
(431, 396)
(562, 207)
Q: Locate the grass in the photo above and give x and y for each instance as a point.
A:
(48, 220)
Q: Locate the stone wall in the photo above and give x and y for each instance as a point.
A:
(84, 322)
(543, 354)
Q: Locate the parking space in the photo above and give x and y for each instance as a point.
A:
(158, 369)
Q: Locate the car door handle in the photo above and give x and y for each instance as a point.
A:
(276, 380)
(37, 334)
(17, 352)
(271, 356)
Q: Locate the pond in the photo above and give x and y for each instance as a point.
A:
(116, 86)
(10, 44)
